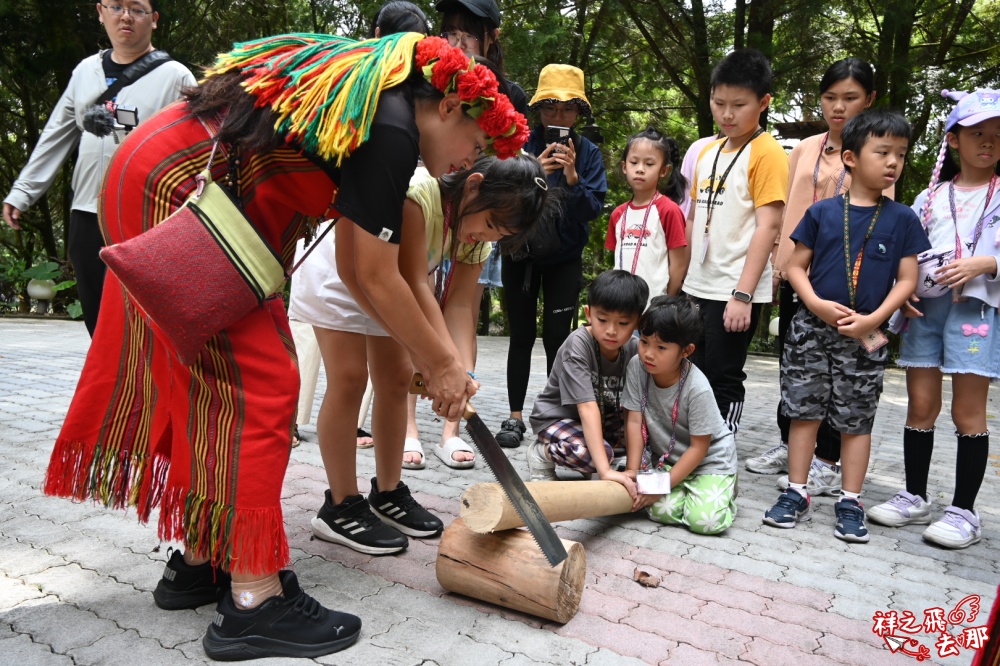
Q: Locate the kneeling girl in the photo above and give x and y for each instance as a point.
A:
(679, 449)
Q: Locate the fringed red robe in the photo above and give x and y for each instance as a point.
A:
(207, 443)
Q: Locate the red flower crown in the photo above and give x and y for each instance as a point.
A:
(449, 70)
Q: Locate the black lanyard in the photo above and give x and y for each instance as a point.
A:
(852, 274)
(598, 385)
(713, 191)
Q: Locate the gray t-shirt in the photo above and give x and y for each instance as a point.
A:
(697, 414)
(571, 382)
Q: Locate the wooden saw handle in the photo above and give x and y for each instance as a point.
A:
(418, 387)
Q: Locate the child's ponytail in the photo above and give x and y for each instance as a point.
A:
(676, 185)
(925, 212)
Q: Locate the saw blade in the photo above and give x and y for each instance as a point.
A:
(512, 485)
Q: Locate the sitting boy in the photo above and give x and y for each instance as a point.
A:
(690, 476)
(577, 418)
(854, 264)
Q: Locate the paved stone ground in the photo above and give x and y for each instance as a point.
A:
(75, 579)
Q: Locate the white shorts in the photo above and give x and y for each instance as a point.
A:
(320, 298)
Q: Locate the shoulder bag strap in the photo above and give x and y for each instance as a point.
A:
(133, 73)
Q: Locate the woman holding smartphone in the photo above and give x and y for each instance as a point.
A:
(575, 165)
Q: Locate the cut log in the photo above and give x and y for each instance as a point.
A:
(485, 508)
(508, 569)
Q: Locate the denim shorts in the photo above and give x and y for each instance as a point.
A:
(958, 338)
(491, 269)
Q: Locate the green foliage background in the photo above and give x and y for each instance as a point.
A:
(647, 62)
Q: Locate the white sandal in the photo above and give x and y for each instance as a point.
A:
(413, 445)
(451, 446)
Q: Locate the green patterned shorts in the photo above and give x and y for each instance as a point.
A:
(704, 504)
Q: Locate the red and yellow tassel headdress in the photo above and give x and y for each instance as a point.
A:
(325, 89)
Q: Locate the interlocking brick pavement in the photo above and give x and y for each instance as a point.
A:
(75, 579)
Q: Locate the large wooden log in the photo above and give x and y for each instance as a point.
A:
(485, 508)
(508, 569)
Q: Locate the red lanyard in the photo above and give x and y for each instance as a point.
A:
(642, 236)
(852, 274)
(674, 413)
(982, 218)
(442, 283)
(840, 179)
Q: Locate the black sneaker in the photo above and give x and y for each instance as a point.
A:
(352, 523)
(186, 586)
(511, 433)
(399, 509)
(293, 625)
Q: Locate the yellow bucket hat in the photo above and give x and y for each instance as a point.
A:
(561, 83)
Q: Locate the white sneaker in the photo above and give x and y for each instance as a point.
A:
(823, 479)
(902, 509)
(772, 461)
(540, 468)
(958, 528)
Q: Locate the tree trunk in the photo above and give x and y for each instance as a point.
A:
(739, 30)
(760, 34)
(509, 570)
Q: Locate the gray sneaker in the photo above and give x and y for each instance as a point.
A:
(772, 461)
(958, 528)
(823, 480)
(902, 509)
(540, 468)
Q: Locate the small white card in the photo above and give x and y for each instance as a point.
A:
(873, 339)
(653, 483)
(704, 248)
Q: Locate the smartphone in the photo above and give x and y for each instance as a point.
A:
(557, 134)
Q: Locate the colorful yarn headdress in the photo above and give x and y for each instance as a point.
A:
(325, 89)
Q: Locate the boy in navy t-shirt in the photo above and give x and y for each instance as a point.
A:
(854, 264)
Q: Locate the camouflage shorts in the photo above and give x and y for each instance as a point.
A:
(826, 375)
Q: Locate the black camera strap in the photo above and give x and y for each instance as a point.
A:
(133, 73)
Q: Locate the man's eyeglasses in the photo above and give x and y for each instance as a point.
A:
(462, 40)
(138, 13)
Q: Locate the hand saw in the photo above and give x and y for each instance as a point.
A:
(511, 483)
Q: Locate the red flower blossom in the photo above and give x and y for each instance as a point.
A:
(498, 118)
(509, 146)
(480, 82)
(451, 62)
(429, 48)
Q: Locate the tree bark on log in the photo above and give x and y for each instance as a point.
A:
(508, 569)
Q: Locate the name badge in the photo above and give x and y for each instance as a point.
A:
(873, 339)
(704, 247)
(653, 483)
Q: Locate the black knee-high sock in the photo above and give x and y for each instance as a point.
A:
(970, 468)
(918, 445)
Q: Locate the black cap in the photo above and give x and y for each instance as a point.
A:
(486, 9)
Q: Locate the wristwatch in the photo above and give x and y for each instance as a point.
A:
(742, 296)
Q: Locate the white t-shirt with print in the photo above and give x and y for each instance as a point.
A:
(664, 231)
(758, 178)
